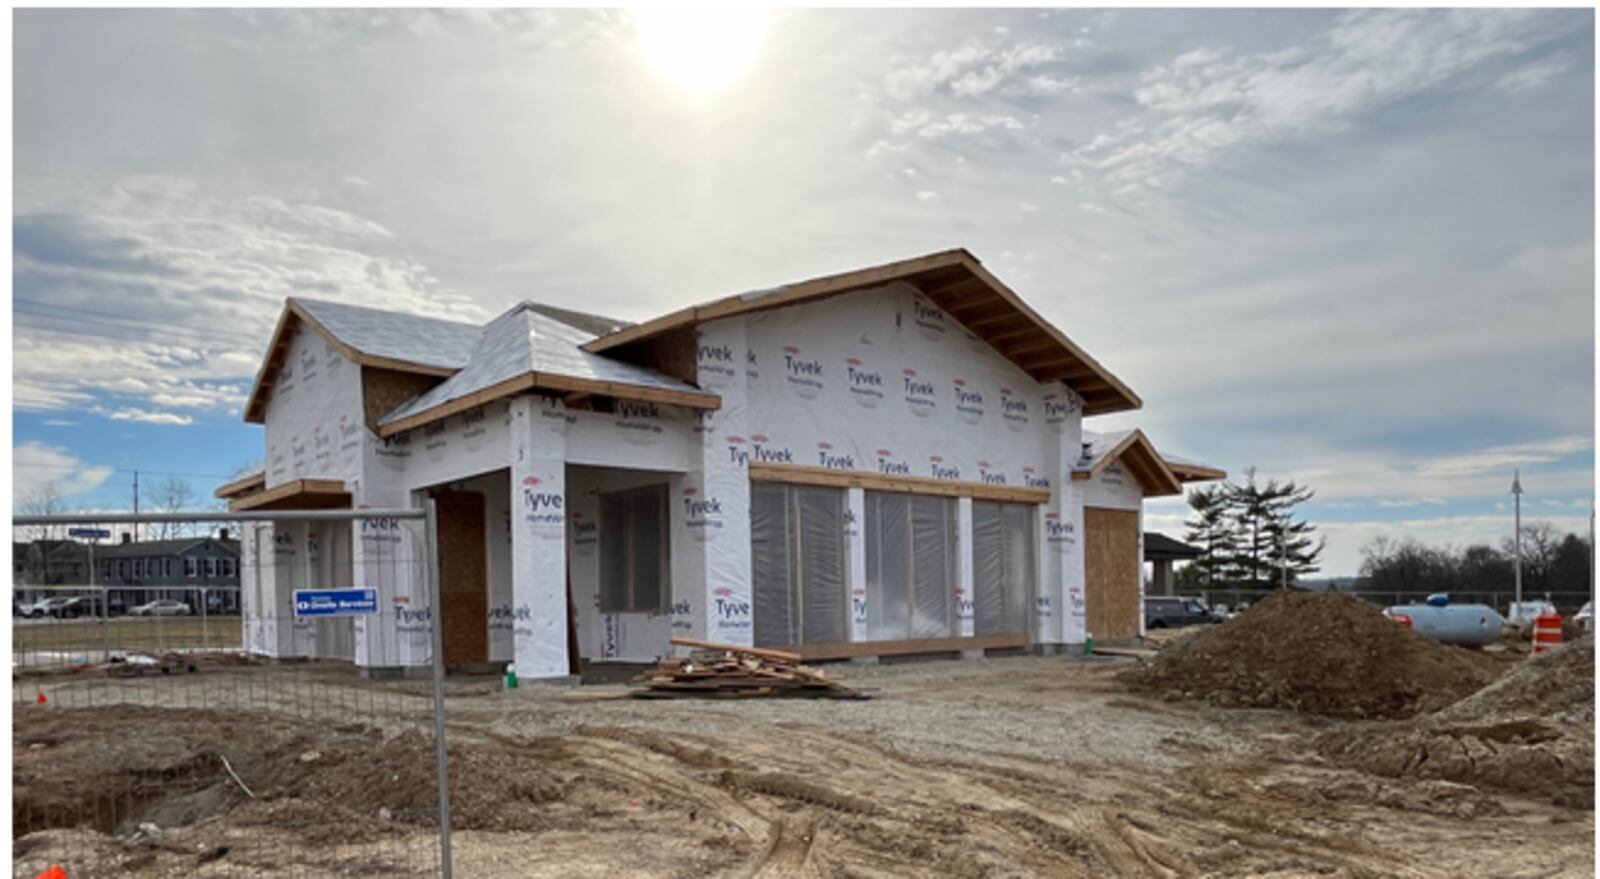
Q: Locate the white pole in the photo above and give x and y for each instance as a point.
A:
(1516, 492)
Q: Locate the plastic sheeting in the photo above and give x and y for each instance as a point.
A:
(771, 551)
(1004, 567)
(798, 565)
(824, 602)
(911, 566)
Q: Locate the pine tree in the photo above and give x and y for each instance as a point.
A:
(1211, 531)
(1270, 536)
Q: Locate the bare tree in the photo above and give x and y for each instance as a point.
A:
(1541, 544)
(45, 500)
(173, 495)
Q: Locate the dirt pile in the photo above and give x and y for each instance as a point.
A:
(1530, 732)
(1323, 653)
(81, 767)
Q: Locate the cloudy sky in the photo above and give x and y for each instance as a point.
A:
(1353, 249)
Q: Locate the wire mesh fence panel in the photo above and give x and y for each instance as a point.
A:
(265, 729)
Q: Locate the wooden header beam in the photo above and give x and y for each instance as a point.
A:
(567, 385)
(797, 474)
(297, 494)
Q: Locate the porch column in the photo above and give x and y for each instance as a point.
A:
(1061, 601)
(712, 595)
(539, 537)
(1161, 576)
(966, 620)
(855, 517)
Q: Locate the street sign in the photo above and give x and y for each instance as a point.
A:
(335, 602)
(92, 533)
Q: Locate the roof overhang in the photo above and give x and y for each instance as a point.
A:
(242, 486)
(953, 280)
(561, 384)
(1139, 456)
(291, 321)
(297, 494)
(1188, 471)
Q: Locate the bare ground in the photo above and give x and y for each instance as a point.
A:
(1004, 767)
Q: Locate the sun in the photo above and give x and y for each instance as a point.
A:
(700, 48)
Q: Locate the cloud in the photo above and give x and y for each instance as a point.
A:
(922, 123)
(149, 417)
(974, 70)
(1209, 100)
(157, 294)
(34, 464)
(1501, 458)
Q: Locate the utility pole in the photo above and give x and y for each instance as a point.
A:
(1516, 492)
(136, 505)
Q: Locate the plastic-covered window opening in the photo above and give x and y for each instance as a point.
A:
(797, 558)
(911, 565)
(633, 551)
(1004, 567)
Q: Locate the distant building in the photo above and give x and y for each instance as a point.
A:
(49, 563)
(173, 569)
(137, 572)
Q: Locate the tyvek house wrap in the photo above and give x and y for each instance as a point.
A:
(883, 381)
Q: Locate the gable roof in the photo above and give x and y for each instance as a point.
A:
(367, 336)
(1135, 451)
(956, 282)
(524, 349)
(445, 348)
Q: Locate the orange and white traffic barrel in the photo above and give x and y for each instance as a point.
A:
(1546, 632)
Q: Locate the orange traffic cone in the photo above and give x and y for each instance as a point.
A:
(54, 872)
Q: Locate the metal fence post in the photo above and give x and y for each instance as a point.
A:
(435, 616)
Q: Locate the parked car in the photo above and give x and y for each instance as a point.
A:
(1523, 613)
(161, 607)
(1162, 612)
(48, 607)
(1585, 617)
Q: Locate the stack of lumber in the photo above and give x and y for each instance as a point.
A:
(726, 671)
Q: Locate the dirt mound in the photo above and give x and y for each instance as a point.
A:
(1318, 652)
(1531, 732)
(81, 767)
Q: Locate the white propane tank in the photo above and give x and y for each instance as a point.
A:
(1469, 625)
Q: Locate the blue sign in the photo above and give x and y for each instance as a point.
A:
(335, 602)
(94, 533)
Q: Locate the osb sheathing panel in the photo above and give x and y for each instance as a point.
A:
(383, 390)
(1111, 572)
(673, 353)
(463, 577)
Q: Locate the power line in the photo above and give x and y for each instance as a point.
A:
(64, 467)
(172, 334)
(125, 319)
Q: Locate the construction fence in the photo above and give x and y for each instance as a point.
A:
(190, 736)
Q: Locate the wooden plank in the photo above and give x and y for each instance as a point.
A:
(312, 493)
(786, 295)
(241, 485)
(797, 474)
(774, 655)
(846, 650)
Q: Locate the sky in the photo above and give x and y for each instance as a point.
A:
(1353, 249)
